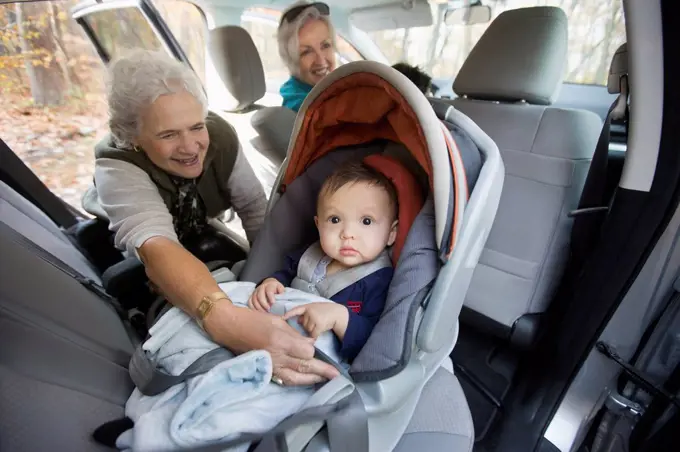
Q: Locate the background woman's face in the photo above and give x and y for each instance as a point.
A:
(173, 134)
(317, 54)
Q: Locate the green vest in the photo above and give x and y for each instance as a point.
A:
(212, 183)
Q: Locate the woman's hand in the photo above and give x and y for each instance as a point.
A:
(242, 330)
(263, 296)
(317, 318)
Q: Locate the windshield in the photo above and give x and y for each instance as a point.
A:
(596, 30)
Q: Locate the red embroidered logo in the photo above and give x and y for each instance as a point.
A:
(354, 306)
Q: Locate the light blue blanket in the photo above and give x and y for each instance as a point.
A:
(234, 397)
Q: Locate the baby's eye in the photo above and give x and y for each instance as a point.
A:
(366, 221)
(334, 219)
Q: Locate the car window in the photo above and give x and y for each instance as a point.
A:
(121, 29)
(52, 94)
(188, 26)
(262, 23)
(596, 30)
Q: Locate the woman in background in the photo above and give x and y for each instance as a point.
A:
(307, 47)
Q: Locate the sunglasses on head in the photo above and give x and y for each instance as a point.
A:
(293, 13)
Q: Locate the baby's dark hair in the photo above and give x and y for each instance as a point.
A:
(357, 171)
(417, 76)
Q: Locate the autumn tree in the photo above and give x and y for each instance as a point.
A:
(35, 25)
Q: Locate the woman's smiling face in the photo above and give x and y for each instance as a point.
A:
(173, 134)
(316, 50)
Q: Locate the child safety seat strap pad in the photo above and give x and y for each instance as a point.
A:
(333, 284)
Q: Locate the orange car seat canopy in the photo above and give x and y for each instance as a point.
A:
(355, 110)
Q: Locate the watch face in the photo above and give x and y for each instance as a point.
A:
(203, 307)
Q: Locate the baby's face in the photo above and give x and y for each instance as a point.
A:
(356, 223)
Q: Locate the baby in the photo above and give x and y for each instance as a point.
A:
(356, 217)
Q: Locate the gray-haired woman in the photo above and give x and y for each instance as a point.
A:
(165, 168)
(307, 46)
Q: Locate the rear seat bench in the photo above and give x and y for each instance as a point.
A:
(64, 352)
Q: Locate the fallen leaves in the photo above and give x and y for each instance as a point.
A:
(56, 143)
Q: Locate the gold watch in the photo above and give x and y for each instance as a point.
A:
(206, 305)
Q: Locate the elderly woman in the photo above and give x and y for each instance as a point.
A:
(307, 46)
(166, 167)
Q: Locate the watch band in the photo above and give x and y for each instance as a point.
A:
(206, 304)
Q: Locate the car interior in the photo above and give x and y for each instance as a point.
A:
(553, 321)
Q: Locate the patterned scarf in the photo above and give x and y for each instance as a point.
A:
(188, 212)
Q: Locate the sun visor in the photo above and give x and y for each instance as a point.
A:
(409, 14)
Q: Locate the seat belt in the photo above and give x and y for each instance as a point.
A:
(151, 381)
(593, 204)
(57, 263)
(16, 174)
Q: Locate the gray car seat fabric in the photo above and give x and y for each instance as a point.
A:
(64, 352)
(24, 217)
(441, 420)
(274, 125)
(237, 64)
(546, 151)
(388, 349)
(236, 82)
(520, 57)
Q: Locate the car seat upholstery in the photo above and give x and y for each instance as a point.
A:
(235, 81)
(64, 352)
(23, 216)
(506, 85)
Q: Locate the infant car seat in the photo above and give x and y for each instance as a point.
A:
(366, 108)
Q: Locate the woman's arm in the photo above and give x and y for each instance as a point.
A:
(186, 280)
(132, 203)
(144, 227)
(247, 195)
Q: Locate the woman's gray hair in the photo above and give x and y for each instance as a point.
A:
(287, 35)
(136, 80)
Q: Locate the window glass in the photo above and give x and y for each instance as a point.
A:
(118, 30)
(52, 94)
(188, 26)
(596, 30)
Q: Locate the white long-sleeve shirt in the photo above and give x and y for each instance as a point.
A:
(136, 211)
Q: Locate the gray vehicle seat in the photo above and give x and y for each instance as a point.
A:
(64, 353)
(506, 86)
(236, 80)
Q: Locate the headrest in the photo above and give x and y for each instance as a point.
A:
(274, 125)
(409, 195)
(618, 68)
(521, 56)
(238, 65)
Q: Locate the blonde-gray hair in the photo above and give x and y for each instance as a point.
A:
(136, 80)
(287, 35)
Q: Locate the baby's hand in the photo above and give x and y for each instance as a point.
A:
(262, 297)
(317, 318)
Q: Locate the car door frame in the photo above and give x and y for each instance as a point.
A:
(153, 17)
